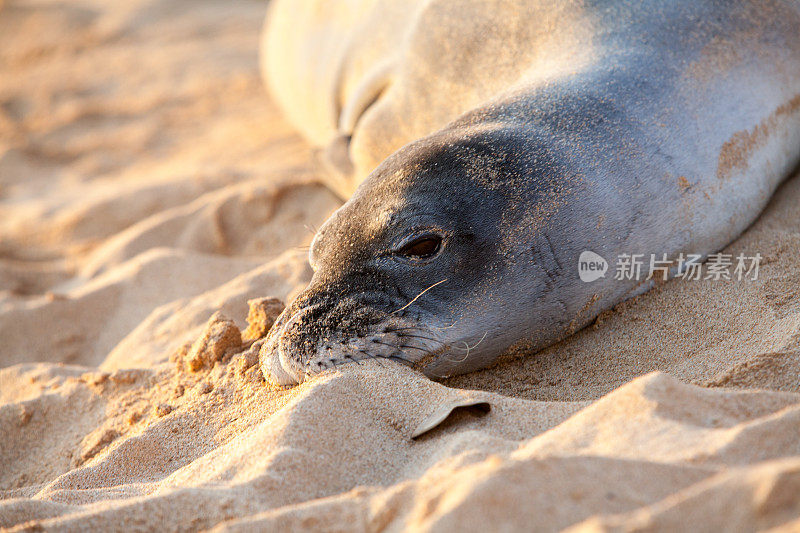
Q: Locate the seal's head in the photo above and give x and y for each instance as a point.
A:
(422, 265)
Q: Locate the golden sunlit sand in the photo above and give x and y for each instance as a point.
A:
(147, 183)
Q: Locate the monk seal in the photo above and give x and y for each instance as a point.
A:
(656, 127)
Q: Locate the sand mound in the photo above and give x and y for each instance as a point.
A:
(152, 205)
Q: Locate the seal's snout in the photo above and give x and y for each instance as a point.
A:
(277, 363)
(314, 335)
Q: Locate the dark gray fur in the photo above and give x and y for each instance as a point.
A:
(625, 157)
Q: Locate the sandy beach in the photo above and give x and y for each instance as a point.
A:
(153, 201)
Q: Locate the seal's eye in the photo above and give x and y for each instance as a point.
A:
(422, 247)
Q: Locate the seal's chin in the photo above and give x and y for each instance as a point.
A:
(290, 356)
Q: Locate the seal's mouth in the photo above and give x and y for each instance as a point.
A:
(310, 338)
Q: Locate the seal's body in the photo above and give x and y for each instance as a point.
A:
(616, 127)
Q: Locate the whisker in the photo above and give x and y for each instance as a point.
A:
(414, 347)
(400, 329)
(469, 348)
(477, 343)
(401, 359)
(385, 344)
(421, 337)
(401, 346)
(418, 295)
(376, 359)
(425, 352)
(466, 356)
(353, 359)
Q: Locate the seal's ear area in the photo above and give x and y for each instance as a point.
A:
(453, 412)
(366, 95)
(334, 160)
